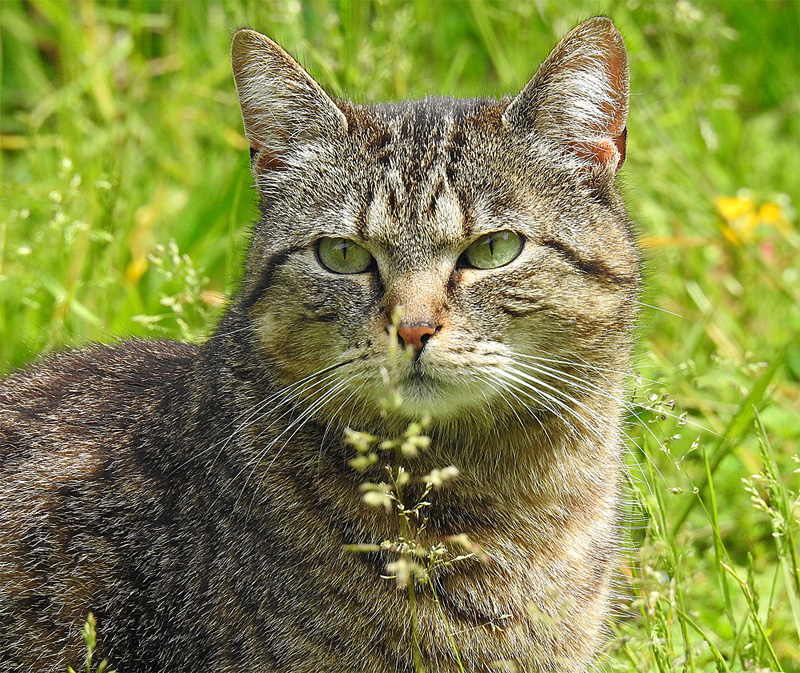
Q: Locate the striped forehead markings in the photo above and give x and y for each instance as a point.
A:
(418, 159)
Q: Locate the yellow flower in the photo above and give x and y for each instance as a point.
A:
(773, 215)
(742, 218)
(734, 207)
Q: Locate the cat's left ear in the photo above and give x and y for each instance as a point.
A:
(283, 108)
(577, 103)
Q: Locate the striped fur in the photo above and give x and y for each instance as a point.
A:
(197, 500)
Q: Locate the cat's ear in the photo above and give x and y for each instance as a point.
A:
(283, 108)
(577, 102)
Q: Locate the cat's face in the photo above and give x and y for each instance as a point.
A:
(475, 253)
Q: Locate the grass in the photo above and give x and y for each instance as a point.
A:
(126, 197)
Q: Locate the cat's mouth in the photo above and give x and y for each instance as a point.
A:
(436, 382)
(417, 374)
(425, 391)
(417, 380)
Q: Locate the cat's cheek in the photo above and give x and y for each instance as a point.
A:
(298, 346)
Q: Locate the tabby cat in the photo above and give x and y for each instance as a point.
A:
(198, 500)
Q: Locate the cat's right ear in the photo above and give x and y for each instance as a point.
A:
(283, 108)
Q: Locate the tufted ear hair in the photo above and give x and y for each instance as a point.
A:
(577, 103)
(283, 108)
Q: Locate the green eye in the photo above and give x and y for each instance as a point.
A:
(343, 256)
(493, 250)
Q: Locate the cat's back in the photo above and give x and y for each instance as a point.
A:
(84, 397)
(82, 498)
(79, 413)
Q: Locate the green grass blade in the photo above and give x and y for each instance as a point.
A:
(742, 419)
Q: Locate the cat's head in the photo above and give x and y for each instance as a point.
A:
(490, 232)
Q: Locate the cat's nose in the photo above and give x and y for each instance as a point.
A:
(417, 335)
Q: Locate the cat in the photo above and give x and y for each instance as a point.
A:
(198, 499)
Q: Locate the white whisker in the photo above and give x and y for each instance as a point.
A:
(277, 399)
(295, 425)
(628, 405)
(556, 391)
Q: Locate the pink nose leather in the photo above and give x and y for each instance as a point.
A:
(415, 335)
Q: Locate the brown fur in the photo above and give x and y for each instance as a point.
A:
(197, 500)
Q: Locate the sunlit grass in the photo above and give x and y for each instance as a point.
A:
(120, 133)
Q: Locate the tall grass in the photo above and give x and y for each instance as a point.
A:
(126, 198)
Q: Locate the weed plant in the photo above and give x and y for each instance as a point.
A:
(414, 563)
(89, 635)
(120, 133)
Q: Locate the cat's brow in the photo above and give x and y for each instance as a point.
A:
(591, 267)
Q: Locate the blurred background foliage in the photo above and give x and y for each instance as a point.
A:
(126, 203)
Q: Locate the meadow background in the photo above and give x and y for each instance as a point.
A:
(126, 203)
